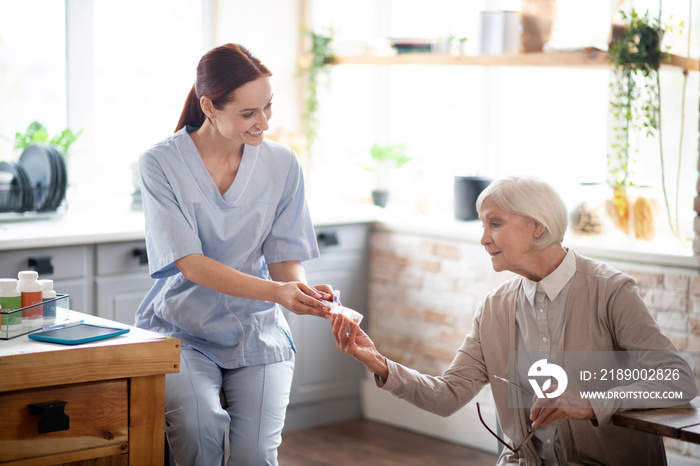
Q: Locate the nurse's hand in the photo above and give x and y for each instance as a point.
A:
(301, 298)
(326, 291)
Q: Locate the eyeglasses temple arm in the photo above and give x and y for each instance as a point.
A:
(478, 410)
(515, 385)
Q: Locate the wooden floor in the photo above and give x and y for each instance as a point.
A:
(365, 443)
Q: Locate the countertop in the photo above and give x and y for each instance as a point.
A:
(115, 224)
(76, 227)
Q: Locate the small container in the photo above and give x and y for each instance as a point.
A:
(10, 301)
(32, 292)
(351, 314)
(60, 303)
(49, 304)
(500, 32)
(466, 192)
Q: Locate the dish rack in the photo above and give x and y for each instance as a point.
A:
(18, 199)
(35, 183)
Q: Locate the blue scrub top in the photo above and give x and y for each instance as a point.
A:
(262, 218)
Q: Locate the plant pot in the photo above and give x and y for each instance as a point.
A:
(643, 217)
(634, 214)
(380, 197)
(467, 190)
(537, 18)
(647, 49)
(618, 209)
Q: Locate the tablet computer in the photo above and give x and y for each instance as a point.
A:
(77, 334)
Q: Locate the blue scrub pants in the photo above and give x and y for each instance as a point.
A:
(196, 424)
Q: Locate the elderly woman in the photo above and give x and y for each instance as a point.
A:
(561, 306)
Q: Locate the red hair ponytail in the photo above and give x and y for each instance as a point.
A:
(192, 114)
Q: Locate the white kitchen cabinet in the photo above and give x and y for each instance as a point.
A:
(326, 386)
(107, 280)
(121, 279)
(70, 267)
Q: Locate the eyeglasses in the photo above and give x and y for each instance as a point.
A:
(515, 385)
(530, 433)
(530, 430)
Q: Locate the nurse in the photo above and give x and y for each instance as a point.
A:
(226, 228)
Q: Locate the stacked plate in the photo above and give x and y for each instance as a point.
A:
(15, 189)
(37, 182)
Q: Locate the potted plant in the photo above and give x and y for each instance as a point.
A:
(36, 132)
(635, 56)
(385, 159)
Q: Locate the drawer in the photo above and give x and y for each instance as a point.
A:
(122, 258)
(97, 412)
(119, 296)
(66, 262)
(80, 293)
(342, 238)
(351, 262)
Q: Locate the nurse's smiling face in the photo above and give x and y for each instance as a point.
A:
(244, 119)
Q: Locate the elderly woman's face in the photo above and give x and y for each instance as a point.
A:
(508, 238)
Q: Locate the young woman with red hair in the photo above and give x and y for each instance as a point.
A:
(227, 227)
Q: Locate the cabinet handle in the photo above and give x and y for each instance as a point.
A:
(53, 418)
(142, 255)
(327, 238)
(42, 265)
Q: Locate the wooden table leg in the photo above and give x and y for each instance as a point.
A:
(146, 420)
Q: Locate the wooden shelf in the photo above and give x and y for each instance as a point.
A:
(588, 58)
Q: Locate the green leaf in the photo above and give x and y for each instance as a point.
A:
(36, 132)
(392, 155)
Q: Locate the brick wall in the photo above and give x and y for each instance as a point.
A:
(424, 292)
(423, 295)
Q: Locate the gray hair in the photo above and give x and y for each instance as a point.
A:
(533, 198)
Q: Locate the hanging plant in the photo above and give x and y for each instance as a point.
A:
(317, 66)
(636, 55)
(635, 103)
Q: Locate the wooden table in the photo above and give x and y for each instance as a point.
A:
(682, 422)
(113, 390)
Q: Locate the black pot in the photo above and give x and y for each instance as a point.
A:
(380, 197)
(467, 190)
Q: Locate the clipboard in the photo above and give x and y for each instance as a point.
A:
(77, 334)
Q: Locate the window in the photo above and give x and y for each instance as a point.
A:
(120, 71)
(32, 68)
(546, 121)
(144, 57)
(129, 67)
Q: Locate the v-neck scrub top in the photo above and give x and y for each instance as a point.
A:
(262, 218)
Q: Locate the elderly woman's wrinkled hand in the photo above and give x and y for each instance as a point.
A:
(352, 340)
(568, 405)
